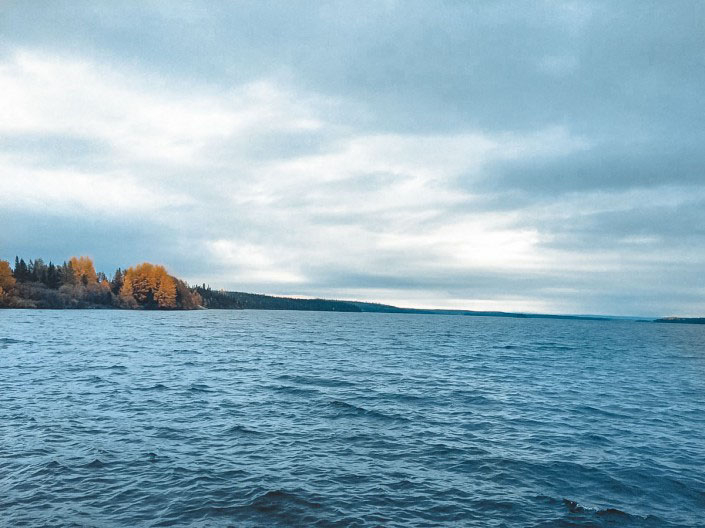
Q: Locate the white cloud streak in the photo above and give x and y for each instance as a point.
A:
(375, 204)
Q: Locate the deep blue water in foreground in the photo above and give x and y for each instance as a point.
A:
(253, 418)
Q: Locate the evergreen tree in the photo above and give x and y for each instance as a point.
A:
(67, 277)
(52, 276)
(39, 271)
(117, 282)
(21, 271)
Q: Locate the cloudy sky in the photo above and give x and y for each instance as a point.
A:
(534, 156)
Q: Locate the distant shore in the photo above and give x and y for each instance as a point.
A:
(681, 320)
(231, 300)
(75, 284)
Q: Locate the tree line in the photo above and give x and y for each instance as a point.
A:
(253, 301)
(76, 284)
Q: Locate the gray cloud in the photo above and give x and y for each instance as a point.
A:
(51, 150)
(495, 65)
(545, 155)
(610, 166)
(634, 231)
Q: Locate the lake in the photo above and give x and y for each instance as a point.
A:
(262, 418)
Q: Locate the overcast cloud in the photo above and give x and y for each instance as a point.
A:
(534, 156)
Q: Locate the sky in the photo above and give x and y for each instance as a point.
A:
(539, 156)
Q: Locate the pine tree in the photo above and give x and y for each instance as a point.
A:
(67, 277)
(21, 271)
(38, 270)
(52, 276)
(117, 282)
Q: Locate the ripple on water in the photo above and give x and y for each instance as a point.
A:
(219, 418)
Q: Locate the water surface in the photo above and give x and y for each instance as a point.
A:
(256, 418)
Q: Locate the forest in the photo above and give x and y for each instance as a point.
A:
(76, 284)
(254, 301)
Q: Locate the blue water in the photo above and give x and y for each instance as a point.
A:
(252, 418)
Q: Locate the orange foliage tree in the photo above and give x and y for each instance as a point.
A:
(7, 281)
(83, 270)
(148, 285)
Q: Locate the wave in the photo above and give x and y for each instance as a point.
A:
(347, 409)
(201, 387)
(241, 430)
(316, 381)
(612, 515)
(95, 464)
(399, 425)
(5, 342)
(298, 391)
(10, 341)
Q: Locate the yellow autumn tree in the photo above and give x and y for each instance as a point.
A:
(126, 294)
(140, 281)
(150, 286)
(83, 270)
(166, 293)
(7, 281)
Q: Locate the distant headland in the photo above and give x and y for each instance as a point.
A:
(682, 320)
(76, 284)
